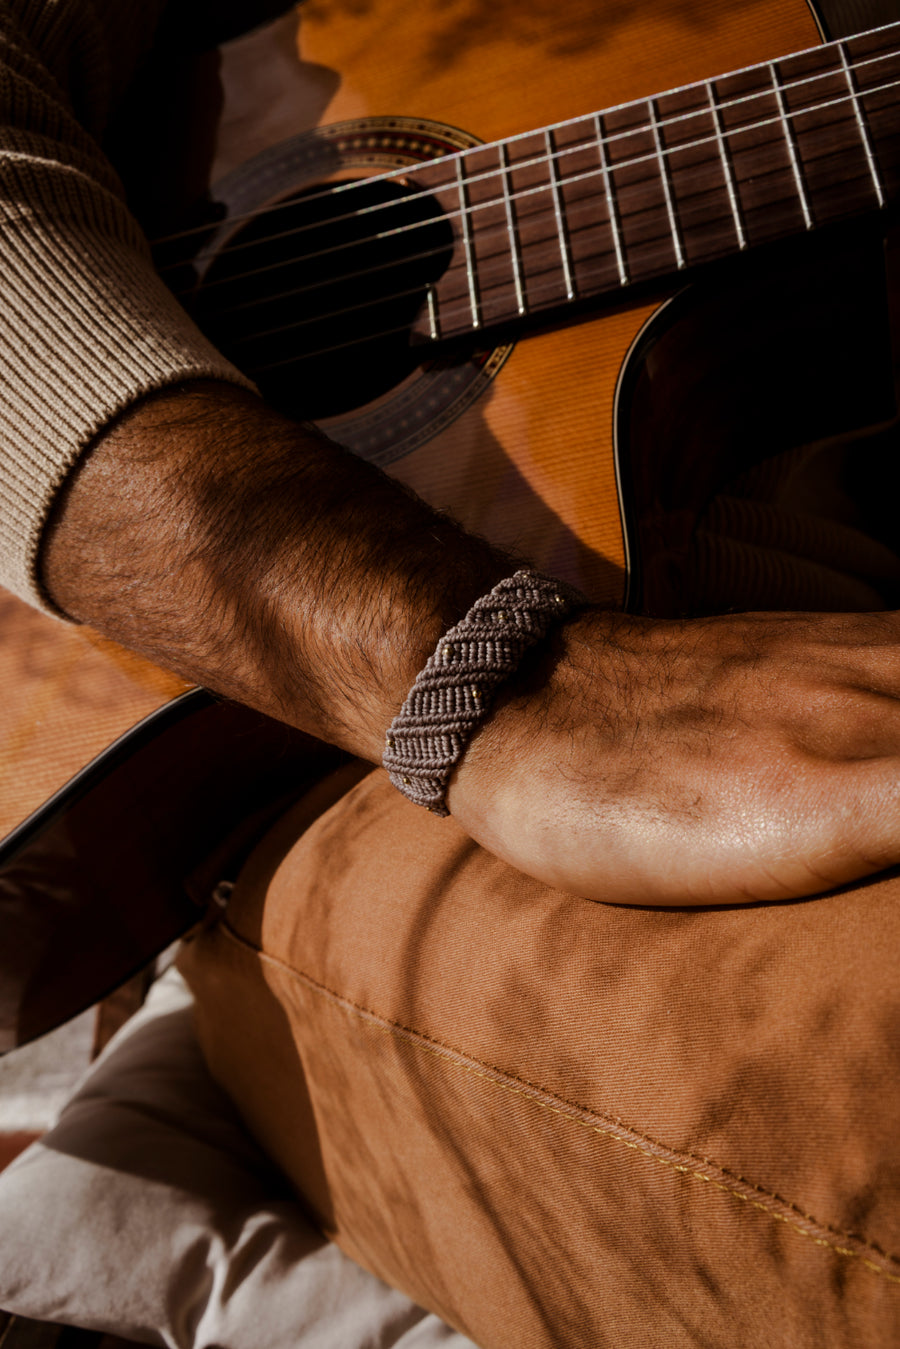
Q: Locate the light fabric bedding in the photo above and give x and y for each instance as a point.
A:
(148, 1212)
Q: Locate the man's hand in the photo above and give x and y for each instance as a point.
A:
(717, 761)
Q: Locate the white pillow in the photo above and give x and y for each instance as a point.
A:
(148, 1212)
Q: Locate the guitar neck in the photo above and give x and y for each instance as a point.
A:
(649, 189)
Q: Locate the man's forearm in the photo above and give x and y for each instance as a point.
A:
(716, 761)
(251, 555)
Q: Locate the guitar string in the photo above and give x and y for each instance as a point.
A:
(583, 213)
(594, 269)
(575, 214)
(651, 158)
(711, 141)
(543, 159)
(586, 273)
(462, 307)
(455, 315)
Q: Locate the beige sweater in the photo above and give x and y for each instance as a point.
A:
(85, 325)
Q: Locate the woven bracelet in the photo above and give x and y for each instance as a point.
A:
(452, 695)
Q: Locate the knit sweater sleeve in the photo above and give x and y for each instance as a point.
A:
(86, 327)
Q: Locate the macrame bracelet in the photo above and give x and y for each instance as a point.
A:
(453, 694)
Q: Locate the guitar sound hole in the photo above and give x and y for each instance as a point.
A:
(314, 300)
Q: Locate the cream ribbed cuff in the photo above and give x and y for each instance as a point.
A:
(87, 329)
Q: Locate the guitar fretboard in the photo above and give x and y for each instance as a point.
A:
(655, 187)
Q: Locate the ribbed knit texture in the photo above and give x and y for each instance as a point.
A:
(452, 695)
(86, 327)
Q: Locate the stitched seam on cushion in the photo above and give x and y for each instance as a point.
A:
(683, 1163)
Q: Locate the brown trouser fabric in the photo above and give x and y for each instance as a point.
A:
(563, 1123)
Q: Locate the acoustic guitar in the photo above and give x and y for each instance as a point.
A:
(648, 347)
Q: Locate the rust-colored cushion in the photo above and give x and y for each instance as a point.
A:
(563, 1123)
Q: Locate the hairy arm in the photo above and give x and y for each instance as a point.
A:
(726, 760)
(249, 554)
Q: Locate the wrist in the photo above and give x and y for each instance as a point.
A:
(453, 693)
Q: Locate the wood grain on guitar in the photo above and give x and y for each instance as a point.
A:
(66, 695)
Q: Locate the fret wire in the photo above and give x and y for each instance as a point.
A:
(667, 184)
(860, 122)
(791, 145)
(515, 252)
(725, 157)
(611, 206)
(467, 245)
(561, 234)
(433, 314)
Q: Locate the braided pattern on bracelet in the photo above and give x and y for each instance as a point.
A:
(452, 695)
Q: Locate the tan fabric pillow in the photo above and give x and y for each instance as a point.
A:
(567, 1124)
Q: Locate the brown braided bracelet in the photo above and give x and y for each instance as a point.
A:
(452, 695)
